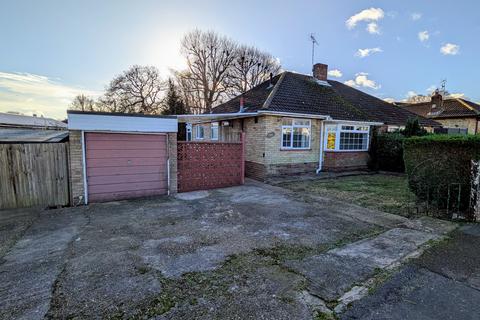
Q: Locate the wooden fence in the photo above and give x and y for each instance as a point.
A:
(209, 165)
(34, 174)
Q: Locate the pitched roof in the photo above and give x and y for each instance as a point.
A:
(450, 108)
(16, 120)
(298, 93)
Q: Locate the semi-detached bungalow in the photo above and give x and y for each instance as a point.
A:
(297, 123)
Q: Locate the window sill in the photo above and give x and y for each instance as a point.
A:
(292, 149)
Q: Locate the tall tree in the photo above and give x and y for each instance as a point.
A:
(209, 59)
(83, 103)
(250, 68)
(137, 90)
(173, 103)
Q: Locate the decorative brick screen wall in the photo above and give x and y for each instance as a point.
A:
(209, 165)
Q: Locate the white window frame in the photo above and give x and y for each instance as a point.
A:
(291, 127)
(217, 127)
(197, 132)
(338, 129)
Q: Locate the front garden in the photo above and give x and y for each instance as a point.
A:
(384, 192)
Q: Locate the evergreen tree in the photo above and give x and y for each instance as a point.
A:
(173, 104)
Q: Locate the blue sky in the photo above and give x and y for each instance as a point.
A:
(53, 50)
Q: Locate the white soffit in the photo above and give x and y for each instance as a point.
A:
(121, 123)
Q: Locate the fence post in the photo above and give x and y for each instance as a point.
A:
(242, 178)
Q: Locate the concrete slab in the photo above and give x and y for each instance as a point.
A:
(418, 294)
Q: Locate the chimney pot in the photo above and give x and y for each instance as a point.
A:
(320, 71)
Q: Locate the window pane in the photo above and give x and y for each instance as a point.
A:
(347, 127)
(298, 122)
(214, 132)
(286, 122)
(301, 137)
(353, 141)
(286, 137)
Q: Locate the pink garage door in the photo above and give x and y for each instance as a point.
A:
(122, 166)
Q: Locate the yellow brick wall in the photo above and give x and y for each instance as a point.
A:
(469, 123)
(273, 152)
(76, 167)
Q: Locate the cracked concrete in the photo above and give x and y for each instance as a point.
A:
(174, 258)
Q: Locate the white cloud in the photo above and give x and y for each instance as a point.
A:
(456, 95)
(373, 28)
(367, 15)
(362, 53)
(416, 16)
(389, 100)
(450, 49)
(411, 94)
(361, 80)
(431, 89)
(335, 73)
(30, 93)
(423, 36)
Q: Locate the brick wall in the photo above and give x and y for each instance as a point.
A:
(172, 155)
(76, 168)
(339, 161)
(255, 170)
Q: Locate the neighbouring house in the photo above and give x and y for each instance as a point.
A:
(297, 123)
(455, 114)
(16, 128)
(117, 156)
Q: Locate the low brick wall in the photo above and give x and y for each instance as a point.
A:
(255, 170)
(292, 168)
(341, 161)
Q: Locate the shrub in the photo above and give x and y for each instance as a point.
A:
(389, 152)
(412, 128)
(439, 168)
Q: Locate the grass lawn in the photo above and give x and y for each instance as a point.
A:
(383, 192)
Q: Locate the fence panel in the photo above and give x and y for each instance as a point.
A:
(34, 174)
(209, 165)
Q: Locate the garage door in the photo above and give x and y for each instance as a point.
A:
(123, 166)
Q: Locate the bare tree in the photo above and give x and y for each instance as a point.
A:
(83, 103)
(209, 59)
(137, 90)
(250, 68)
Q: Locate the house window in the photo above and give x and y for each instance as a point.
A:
(296, 134)
(214, 131)
(199, 132)
(346, 137)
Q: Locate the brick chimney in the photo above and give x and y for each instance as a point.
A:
(437, 100)
(320, 71)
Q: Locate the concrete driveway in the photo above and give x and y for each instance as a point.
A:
(248, 252)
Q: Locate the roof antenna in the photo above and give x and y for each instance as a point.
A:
(443, 85)
(314, 42)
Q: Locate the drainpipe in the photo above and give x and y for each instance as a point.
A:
(321, 155)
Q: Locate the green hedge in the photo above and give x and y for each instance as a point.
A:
(439, 165)
(389, 152)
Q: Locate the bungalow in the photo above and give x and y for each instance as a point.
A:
(455, 114)
(297, 123)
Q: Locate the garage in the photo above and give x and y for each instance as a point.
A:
(121, 166)
(121, 156)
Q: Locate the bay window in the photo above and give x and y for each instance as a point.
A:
(341, 137)
(296, 133)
